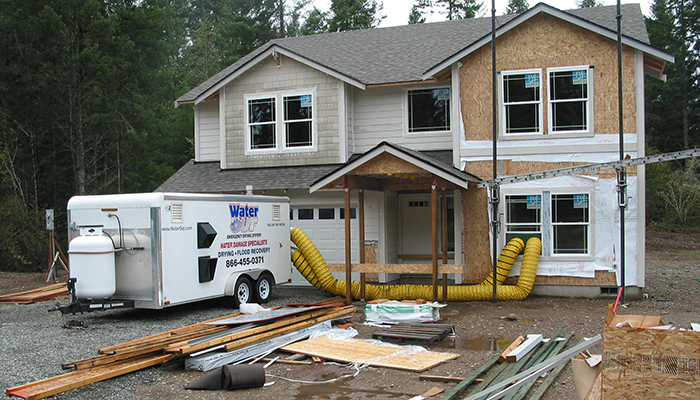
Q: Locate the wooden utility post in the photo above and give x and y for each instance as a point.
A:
(361, 216)
(444, 242)
(434, 210)
(348, 265)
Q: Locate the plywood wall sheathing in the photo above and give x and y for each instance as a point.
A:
(387, 164)
(602, 278)
(544, 42)
(477, 258)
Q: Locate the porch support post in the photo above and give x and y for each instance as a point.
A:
(348, 265)
(444, 242)
(434, 210)
(361, 216)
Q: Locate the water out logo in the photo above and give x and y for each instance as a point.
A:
(243, 217)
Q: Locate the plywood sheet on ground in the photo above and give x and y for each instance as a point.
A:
(356, 351)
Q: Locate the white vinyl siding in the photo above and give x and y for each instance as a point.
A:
(208, 131)
(380, 114)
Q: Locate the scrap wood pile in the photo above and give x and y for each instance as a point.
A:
(518, 372)
(32, 296)
(175, 344)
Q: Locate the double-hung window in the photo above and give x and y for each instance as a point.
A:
(429, 110)
(569, 103)
(521, 102)
(280, 122)
(561, 220)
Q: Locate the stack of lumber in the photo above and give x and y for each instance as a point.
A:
(493, 373)
(420, 333)
(167, 346)
(32, 296)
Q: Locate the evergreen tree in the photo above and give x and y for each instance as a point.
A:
(415, 17)
(316, 22)
(454, 9)
(588, 3)
(517, 6)
(346, 15)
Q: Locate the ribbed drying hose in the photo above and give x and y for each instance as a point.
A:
(308, 260)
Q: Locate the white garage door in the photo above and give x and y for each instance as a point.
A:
(325, 226)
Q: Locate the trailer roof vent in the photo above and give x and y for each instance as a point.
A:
(276, 212)
(177, 213)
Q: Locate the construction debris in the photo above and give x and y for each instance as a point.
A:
(35, 295)
(166, 346)
(230, 377)
(412, 358)
(392, 312)
(420, 333)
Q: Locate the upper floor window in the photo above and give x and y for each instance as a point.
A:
(522, 102)
(569, 93)
(280, 121)
(569, 103)
(429, 110)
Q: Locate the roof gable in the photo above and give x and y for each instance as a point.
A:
(413, 53)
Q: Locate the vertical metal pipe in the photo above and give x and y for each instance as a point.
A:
(622, 173)
(494, 119)
(348, 265)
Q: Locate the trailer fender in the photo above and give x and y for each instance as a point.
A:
(253, 275)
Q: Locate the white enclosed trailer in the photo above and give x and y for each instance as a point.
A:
(154, 250)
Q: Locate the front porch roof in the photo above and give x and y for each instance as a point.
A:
(389, 166)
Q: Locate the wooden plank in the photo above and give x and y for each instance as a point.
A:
(62, 383)
(524, 348)
(287, 329)
(350, 351)
(185, 348)
(440, 378)
(399, 268)
(35, 295)
(510, 348)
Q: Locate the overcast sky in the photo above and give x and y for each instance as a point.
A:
(397, 11)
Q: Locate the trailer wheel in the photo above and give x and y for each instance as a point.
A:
(263, 287)
(242, 292)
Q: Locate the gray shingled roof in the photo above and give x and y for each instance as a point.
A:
(208, 177)
(404, 53)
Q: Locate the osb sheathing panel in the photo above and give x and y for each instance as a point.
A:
(545, 42)
(508, 167)
(602, 278)
(351, 351)
(477, 259)
(387, 164)
(650, 364)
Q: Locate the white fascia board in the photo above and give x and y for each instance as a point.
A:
(387, 149)
(541, 7)
(269, 52)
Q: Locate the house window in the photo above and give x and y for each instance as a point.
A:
(560, 220)
(569, 105)
(523, 216)
(289, 129)
(326, 213)
(305, 213)
(521, 102)
(261, 120)
(570, 223)
(429, 110)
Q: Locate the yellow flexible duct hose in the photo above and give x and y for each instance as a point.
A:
(308, 260)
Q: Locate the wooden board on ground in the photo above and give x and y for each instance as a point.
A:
(32, 296)
(373, 354)
(651, 363)
(414, 333)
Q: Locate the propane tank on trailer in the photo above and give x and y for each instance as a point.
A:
(92, 263)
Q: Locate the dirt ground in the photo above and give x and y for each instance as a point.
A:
(672, 288)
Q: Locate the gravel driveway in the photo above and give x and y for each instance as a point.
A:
(35, 342)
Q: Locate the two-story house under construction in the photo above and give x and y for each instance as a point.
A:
(395, 111)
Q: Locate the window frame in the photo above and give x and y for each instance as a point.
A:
(547, 225)
(503, 105)
(407, 113)
(589, 101)
(280, 122)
